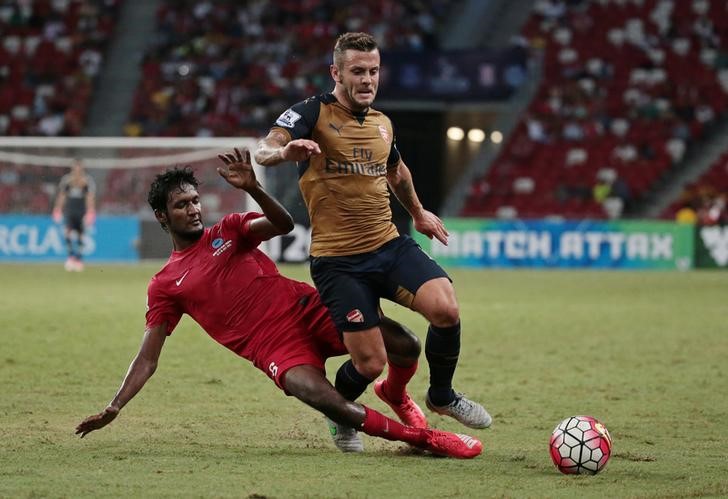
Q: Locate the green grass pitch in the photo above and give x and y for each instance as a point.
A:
(644, 352)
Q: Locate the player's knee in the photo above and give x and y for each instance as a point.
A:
(446, 314)
(437, 302)
(411, 346)
(368, 352)
(399, 340)
(371, 366)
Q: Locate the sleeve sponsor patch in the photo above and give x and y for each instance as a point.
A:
(288, 119)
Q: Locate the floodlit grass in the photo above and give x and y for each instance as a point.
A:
(643, 352)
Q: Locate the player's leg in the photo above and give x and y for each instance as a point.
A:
(435, 300)
(309, 385)
(366, 352)
(73, 234)
(297, 366)
(419, 282)
(403, 350)
(68, 235)
(368, 357)
(79, 243)
(350, 287)
(364, 363)
(354, 308)
(403, 346)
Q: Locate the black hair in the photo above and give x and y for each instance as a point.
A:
(165, 183)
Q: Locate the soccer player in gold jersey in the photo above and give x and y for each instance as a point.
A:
(347, 156)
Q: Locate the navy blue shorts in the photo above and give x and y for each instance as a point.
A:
(74, 221)
(351, 286)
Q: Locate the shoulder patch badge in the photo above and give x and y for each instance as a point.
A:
(288, 119)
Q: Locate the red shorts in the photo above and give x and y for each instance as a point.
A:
(308, 337)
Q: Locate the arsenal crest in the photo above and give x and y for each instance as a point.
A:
(355, 316)
(385, 134)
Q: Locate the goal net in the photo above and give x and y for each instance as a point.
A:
(123, 169)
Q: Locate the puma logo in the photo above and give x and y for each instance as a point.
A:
(337, 129)
(179, 281)
(716, 240)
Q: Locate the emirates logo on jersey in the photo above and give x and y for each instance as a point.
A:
(385, 134)
(355, 316)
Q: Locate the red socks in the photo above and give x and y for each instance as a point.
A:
(397, 379)
(377, 424)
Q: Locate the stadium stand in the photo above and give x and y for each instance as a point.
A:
(27, 189)
(706, 198)
(628, 87)
(50, 54)
(227, 69)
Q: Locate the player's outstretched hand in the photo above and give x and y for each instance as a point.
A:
(239, 169)
(430, 225)
(300, 150)
(89, 219)
(97, 421)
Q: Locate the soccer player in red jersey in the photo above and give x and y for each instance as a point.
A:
(219, 277)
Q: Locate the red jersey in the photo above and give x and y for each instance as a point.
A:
(236, 294)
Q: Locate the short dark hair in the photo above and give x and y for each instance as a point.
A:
(166, 182)
(362, 42)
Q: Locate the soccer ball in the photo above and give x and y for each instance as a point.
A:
(580, 444)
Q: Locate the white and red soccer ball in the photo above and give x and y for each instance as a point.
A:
(580, 444)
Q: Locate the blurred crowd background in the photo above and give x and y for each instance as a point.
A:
(621, 111)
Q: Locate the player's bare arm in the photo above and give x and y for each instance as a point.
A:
(425, 222)
(58, 207)
(90, 200)
(90, 217)
(276, 148)
(239, 173)
(140, 370)
(60, 201)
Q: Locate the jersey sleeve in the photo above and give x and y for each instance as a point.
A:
(161, 308)
(394, 156)
(299, 120)
(91, 184)
(63, 184)
(240, 223)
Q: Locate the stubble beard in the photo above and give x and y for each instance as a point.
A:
(358, 106)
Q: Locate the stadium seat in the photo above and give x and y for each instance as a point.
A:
(610, 99)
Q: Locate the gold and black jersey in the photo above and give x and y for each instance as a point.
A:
(345, 187)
